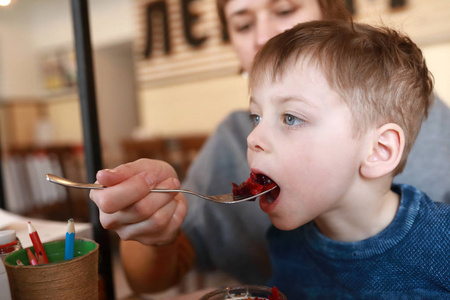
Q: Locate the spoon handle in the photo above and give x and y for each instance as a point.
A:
(65, 182)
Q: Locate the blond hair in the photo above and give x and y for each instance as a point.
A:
(379, 73)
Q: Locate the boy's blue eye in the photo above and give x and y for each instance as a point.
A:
(255, 119)
(291, 120)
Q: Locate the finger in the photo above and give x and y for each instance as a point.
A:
(153, 229)
(180, 212)
(143, 208)
(172, 230)
(150, 204)
(161, 228)
(117, 197)
(110, 177)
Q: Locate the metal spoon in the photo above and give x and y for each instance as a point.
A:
(225, 198)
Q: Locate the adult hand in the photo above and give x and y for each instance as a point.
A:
(128, 207)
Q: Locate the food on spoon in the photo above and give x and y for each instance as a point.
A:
(275, 295)
(247, 293)
(255, 184)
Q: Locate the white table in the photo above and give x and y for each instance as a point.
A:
(48, 230)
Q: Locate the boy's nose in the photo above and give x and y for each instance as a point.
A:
(255, 140)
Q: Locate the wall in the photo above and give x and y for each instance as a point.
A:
(191, 107)
(117, 103)
(31, 28)
(427, 23)
(17, 63)
(438, 61)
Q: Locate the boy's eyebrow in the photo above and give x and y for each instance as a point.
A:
(283, 99)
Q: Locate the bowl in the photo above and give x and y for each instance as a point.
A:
(244, 292)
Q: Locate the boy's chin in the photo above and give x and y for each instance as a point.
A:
(280, 223)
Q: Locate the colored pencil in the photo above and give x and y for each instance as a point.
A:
(31, 258)
(19, 263)
(40, 258)
(38, 248)
(70, 240)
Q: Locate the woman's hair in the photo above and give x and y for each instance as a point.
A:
(331, 10)
(379, 73)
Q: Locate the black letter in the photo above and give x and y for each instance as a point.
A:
(398, 3)
(158, 7)
(189, 20)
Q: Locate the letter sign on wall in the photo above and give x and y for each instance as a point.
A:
(181, 40)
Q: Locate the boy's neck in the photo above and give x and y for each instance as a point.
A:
(370, 211)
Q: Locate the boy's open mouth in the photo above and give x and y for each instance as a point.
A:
(255, 184)
(272, 195)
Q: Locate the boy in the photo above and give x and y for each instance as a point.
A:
(337, 107)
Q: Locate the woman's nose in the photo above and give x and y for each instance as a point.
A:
(264, 32)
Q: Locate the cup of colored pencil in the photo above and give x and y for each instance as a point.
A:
(64, 269)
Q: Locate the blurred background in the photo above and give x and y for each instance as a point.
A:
(165, 77)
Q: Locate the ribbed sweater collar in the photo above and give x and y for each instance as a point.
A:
(380, 243)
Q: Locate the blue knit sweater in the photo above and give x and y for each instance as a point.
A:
(410, 259)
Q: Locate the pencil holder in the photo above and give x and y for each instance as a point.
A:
(75, 278)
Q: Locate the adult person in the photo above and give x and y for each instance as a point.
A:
(231, 238)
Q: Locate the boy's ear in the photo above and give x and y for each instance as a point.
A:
(386, 150)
